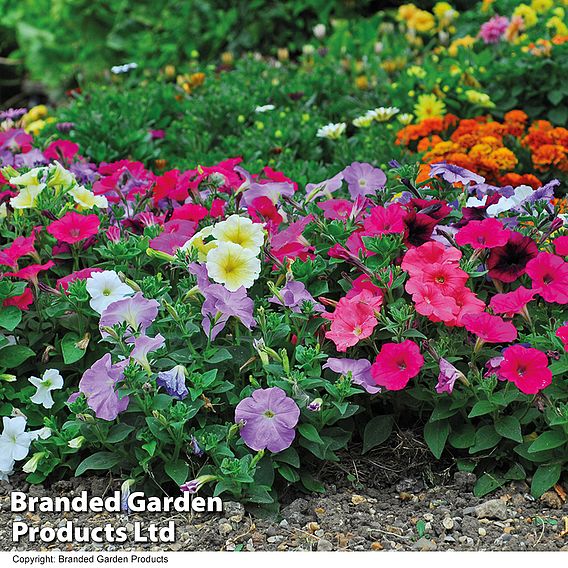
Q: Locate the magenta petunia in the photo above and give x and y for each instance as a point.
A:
(512, 302)
(73, 227)
(490, 329)
(549, 275)
(269, 418)
(396, 364)
(527, 368)
(488, 233)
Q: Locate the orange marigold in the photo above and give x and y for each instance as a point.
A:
(515, 180)
(550, 155)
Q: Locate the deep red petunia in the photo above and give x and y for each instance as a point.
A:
(507, 263)
(74, 227)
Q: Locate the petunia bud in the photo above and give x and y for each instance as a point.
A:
(31, 465)
(77, 442)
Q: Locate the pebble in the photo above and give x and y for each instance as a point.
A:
(429, 517)
(324, 545)
(481, 531)
(424, 544)
(492, 509)
(448, 523)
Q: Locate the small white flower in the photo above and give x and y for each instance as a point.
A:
(50, 380)
(77, 442)
(331, 131)
(264, 108)
(383, 114)
(105, 288)
(507, 203)
(117, 69)
(405, 118)
(319, 31)
(14, 442)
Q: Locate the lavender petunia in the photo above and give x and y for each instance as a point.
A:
(274, 190)
(30, 159)
(138, 312)
(144, 345)
(360, 370)
(544, 193)
(293, 296)
(220, 304)
(99, 383)
(363, 179)
(326, 187)
(269, 418)
(455, 174)
(447, 377)
(173, 382)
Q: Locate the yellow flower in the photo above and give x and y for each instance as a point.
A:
(198, 243)
(363, 121)
(429, 106)
(560, 27)
(362, 83)
(406, 11)
(233, 266)
(30, 178)
(35, 113)
(422, 21)
(486, 4)
(405, 118)
(467, 42)
(529, 16)
(35, 127)
(416, 71)
(27, 197)
(542, 6)
(240, 231)
(87, 199)
(481, 99)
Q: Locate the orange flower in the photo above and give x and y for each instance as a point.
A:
(504, 159)
(517, 179)
(516, 116)
(550, 155)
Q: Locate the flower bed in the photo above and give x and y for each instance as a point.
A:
(211, 327)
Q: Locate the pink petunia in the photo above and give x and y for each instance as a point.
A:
(430, 302)
(488, 233)
(74, 227)
(416, 259)
(527, 368)
(354, 319)
(23, 301)
(512, 302)
(21, 246)
(83, 274)
(396, 364)
(385, 221)
(549, 275)
(562, 334)
(561, 246)
(447, 278)
(490, 329)
(31, 272)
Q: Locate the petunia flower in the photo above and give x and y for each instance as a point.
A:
(454, 174)
(137, 312)
(50, 380)
(293, 296)
(105, 288)
(527, 368)
(431, 301)
(512, 302)
(488, 233)
(73, 227)
(385, 220)
(20, 246)
(561, 245)
(83, 274)
(240, 231)
(99, 383)
(562, 334)
(508, 262)
(490, 329)
(233, 266)
(324, 188)
(14, 442)
(549, 275)
(396, 364)
(144, 345)
(173, 382)
(447, 377)
(358, 369)
(269, 418)
(31, 271)
(363, 179)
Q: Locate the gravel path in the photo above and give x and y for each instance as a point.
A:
(403, 516)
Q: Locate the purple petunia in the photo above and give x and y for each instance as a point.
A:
(360, 370)
(137, 311)
(99, 383)
(454, 174)
(293, 296)
(269, 418)
(144, 345)
(363, 179)
(12, 113)
(327, 187)
(447, 377)
(173, 382)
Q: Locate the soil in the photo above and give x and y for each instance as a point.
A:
(388, 500)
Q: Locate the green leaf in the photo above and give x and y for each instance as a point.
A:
(310, 483)
(480, 408)
(100, 460)
(486, 484)
(289, 456)
(219, 356)
(71, 353)
(436, 434)
(10, 317)
(309, 432)
(377, 431)
(509, 427)
(463, 436)
(178, 470)
(486, 437)
(544, 478)
(14, 355)
(548, 440)
(118, 433)
(288, 473)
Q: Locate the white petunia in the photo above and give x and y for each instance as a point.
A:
(14, 442)
(50, 380)
(105, 288)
